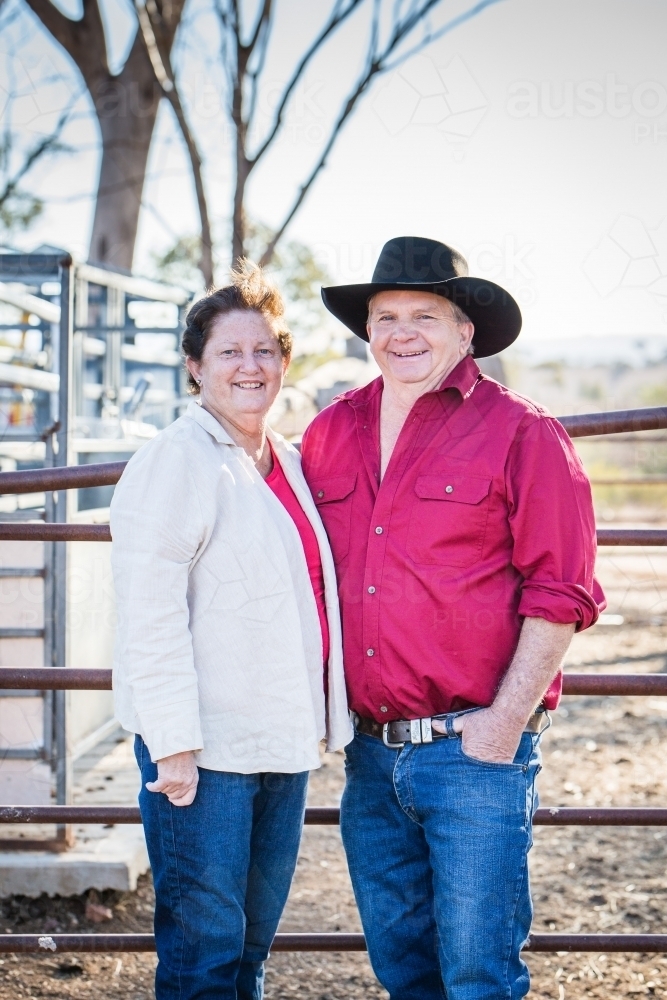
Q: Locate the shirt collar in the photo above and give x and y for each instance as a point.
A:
(463, 378)
(361, 396)
(206, 420)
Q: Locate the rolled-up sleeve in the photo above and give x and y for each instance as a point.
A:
(157, 529)
(553, 525)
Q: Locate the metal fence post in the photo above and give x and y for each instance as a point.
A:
(62, 458)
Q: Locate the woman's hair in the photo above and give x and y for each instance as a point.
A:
(249, 290)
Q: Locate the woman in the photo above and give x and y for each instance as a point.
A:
(227, 605)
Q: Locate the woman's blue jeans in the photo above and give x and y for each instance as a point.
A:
(222, 870)
(437, 844)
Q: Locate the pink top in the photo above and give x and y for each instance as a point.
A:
(277, 482)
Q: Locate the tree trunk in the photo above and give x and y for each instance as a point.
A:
(126, 106)
(127, 110)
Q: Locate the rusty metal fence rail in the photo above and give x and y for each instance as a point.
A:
(19, 678)
(58, 532)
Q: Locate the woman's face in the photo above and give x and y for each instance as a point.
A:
(241, 370)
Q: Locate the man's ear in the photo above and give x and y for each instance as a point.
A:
(466, 337)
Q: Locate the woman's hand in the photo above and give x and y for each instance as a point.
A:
(177, 778)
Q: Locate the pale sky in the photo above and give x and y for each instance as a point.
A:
(533, 138)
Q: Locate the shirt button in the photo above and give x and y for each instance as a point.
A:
(449, 489)
(320, 493)
(383, 708)
(371, 590)
(370, 652)
(378, 531)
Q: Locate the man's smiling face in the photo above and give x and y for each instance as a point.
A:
(415, 337)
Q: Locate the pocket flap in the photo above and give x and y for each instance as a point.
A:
(333, 488)
(457, 489)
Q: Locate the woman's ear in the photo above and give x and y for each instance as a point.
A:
(194, 367)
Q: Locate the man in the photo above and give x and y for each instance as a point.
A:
(462, 527)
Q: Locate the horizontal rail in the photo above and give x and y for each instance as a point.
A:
(86, 943)
(615, 684)
(20, 572)
(70, 477)
(632, 536)
(616, 816)
(315, 816)
(653, 943)
(330, 815)
(54, 679)
(21, 632)
(87, 679)
(108, 473)
(58, 532)
(54, 532)
(632, 481)
(615, 421)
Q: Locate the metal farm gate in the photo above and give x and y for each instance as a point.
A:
(89, 369)
(59, 679)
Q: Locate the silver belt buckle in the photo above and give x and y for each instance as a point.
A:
(386, 741)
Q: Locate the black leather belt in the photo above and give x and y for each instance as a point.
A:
(401, 731)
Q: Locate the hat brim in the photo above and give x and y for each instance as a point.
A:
(491, 309)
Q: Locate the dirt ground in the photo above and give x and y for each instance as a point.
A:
(598, 752)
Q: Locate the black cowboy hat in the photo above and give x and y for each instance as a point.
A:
(412, 263)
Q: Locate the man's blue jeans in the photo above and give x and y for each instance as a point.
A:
(437, 844)
(222, 869)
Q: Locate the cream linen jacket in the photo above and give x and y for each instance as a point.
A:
(218, 647)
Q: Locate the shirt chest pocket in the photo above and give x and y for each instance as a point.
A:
(448, 519)
(333, 497)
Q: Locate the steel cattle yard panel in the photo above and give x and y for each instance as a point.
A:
(64, 679)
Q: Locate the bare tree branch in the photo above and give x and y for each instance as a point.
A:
(337, 18)
(347, 110)
(261, 25)
(377, 63)
(431, 37)
(161, 74)
(48, 144)
(228, 53)
(83, 40)
(164, 73)
(260, 49)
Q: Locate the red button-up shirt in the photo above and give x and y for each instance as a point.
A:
(483, 517)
